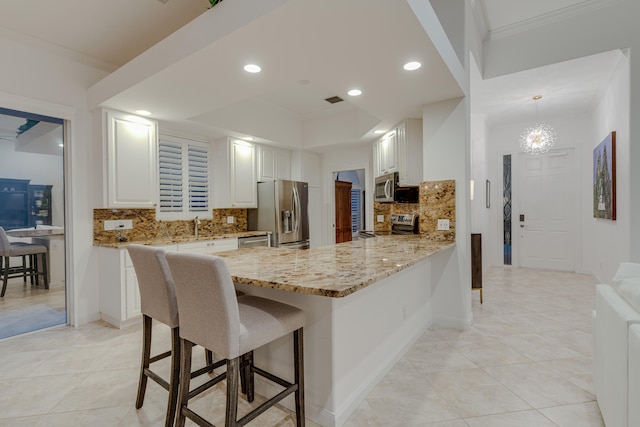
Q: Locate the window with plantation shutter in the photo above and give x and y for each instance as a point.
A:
(184, 178)
(356, 210)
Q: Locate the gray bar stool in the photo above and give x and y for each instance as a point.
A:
(158, 301)
(9, 250)
(212, 316)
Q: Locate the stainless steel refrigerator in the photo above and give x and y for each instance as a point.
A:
(282, 209)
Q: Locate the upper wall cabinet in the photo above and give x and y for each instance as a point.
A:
(235, 177)
(386, 149)
(409, 140)
(131, 161)
(400, 150)
(273, 163)
(305, 167)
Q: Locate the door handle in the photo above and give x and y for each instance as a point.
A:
(521, 225)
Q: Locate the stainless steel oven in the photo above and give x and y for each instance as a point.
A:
(404, 224)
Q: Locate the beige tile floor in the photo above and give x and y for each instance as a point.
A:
(525, 362)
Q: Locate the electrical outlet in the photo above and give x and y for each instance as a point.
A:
(230, 220)
(120, 224)
(380, 218)
(443, 224)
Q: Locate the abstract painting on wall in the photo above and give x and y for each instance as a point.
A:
(604, 178)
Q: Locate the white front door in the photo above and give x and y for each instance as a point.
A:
(546, 221)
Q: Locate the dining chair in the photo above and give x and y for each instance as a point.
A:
(212, 316)
(25, 251)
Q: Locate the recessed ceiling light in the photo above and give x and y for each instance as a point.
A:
(411, 66)
(252, 68)
(248, 138)
(380, 131)
(354, 92)
(143, 112)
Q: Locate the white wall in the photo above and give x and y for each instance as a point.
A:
(446, 156)
(41, 82)
(607, 243)
(479, 173)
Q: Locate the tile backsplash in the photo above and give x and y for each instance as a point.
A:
(147, 227)
(437, 201)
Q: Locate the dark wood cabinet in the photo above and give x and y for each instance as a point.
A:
(23, 205)
(343, 211)
(476, 262)
(39, 205)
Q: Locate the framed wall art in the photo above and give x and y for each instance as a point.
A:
(604, 178)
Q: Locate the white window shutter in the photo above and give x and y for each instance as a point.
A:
(198, 166)
(170, 167)
(183, 176)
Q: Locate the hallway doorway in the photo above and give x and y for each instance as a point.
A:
(32, 174)
(357, 200)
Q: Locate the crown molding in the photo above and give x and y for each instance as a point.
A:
(548, 18)
(56, 50)
(480, 16)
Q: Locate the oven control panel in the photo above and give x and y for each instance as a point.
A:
(403, 219)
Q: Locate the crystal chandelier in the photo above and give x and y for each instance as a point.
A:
(538, 139)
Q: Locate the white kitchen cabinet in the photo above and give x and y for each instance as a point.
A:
(386, 149)
(400, 150)
(409, 146)
(209, 246)
(131, 159)
(235, 176)
(273, 163)
(305, 167)
(118, 288)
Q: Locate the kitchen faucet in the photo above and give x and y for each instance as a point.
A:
(196, 221)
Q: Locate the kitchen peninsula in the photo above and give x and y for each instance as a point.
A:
(365, 302)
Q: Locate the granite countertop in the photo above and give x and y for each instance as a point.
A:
(332, 271)
(179, 239)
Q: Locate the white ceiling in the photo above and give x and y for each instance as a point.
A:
(309, 50)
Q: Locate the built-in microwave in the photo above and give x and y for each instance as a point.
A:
(387, 190)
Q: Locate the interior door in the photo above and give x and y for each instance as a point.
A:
(343, 211)
(548, 213)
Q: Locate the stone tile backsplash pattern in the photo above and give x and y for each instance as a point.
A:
(437, 201)
(147, 227)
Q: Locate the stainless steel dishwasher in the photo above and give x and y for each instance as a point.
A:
(253, 241)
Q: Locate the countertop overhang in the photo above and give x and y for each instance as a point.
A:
(331, 271)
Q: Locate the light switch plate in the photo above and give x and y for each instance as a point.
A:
(119, 224)
(380, 218)
(443, 224)
(230, 220)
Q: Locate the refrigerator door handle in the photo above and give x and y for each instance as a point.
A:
(296, 210)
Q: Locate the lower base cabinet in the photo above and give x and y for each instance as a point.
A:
(118, 291)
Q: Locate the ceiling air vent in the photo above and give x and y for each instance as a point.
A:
(334, 100)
